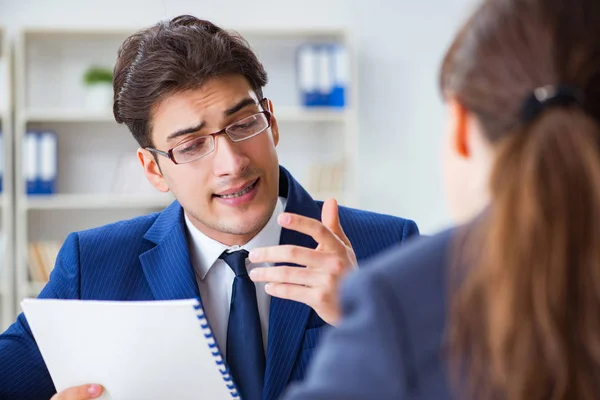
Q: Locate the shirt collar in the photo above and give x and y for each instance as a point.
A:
(206, 251)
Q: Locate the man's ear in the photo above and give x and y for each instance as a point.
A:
(459, 128)
(152, 170)
(268, 104)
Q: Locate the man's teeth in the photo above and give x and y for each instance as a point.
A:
(238, 194)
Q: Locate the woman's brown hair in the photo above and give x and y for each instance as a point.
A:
(525, 318)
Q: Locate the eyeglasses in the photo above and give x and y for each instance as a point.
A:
(201, 146)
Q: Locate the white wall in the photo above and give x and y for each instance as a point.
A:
(399, 43)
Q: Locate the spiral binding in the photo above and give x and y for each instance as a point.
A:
(216, 352)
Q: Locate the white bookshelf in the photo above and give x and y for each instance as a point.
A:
(49, 64)
(7, 270)
(284, 114)
(96, 202)
(65, 115)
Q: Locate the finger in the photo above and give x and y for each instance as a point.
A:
(311, 227)
(301, 294)
(290, 254)
(331, 219)
(79, 393)
(291, 275)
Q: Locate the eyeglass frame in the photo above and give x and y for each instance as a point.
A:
(169, 153)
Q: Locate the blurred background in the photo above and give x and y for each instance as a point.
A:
(354, 84)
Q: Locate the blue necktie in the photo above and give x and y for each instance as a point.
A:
(245, 351)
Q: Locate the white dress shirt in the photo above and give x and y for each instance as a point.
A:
(215, 277)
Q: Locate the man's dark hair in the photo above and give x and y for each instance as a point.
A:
(174, 56)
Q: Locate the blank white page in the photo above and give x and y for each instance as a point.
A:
(136, 350)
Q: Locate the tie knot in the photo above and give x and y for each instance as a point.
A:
(237, 261)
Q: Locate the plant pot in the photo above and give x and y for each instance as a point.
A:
(99, 97)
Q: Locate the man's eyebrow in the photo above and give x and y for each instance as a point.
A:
(230, 111)
(243, 103)
(186, 131)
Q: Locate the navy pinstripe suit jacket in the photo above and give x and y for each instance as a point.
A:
(147, 258)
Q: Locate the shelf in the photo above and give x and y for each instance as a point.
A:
(95, 201)
(291, 114)
(48, 96)
(66, 115)
(292, 33)
(117, 201)
(283, 32)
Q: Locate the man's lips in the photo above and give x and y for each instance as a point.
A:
(239, 190)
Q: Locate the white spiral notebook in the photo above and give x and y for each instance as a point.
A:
(136, 350)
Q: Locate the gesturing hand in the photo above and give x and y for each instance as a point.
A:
(317, 284)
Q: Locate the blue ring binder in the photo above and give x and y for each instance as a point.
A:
(223, 369)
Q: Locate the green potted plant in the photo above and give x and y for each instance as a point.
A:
(97, 81)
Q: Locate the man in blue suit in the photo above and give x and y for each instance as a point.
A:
(191, 94)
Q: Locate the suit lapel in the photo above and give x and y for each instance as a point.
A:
(167, 265)
(288, 319)
(169, 272)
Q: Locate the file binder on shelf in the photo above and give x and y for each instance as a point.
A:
(42, 257)
(30, 161)
(341, 76)
(48, 162)
(323, 76)
(41, 162)
(165, 348)
(307, 76)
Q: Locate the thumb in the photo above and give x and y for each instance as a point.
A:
(83, 392)
(331, 219)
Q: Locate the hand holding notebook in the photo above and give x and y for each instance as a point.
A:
(136, 350)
